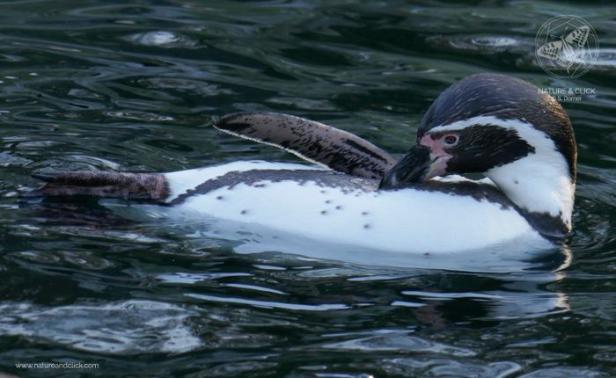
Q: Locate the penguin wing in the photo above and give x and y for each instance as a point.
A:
(313, 141)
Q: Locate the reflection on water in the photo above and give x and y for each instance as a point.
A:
(110, 86)
(130, 327)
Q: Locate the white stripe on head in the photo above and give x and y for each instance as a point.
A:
(536, 138)
(539, 182)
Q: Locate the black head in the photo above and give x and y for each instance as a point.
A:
(485, 121)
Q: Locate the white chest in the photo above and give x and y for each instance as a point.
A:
(403, 221)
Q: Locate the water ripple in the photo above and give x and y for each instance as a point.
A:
(400, 342)
(269, 304)
(128, 327)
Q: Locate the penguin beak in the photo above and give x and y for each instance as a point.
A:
(418, 165)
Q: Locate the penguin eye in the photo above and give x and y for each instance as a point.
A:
(451, 140)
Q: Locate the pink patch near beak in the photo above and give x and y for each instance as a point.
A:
(438, 155)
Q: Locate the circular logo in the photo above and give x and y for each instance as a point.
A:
(566, 46)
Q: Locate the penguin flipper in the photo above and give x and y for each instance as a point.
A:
(313, 141)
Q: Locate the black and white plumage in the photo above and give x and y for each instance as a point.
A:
(520, 139)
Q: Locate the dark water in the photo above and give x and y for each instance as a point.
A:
(108, 85)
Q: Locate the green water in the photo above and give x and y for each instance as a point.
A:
(116, 86)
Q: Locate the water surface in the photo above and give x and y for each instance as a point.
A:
(116, 86)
